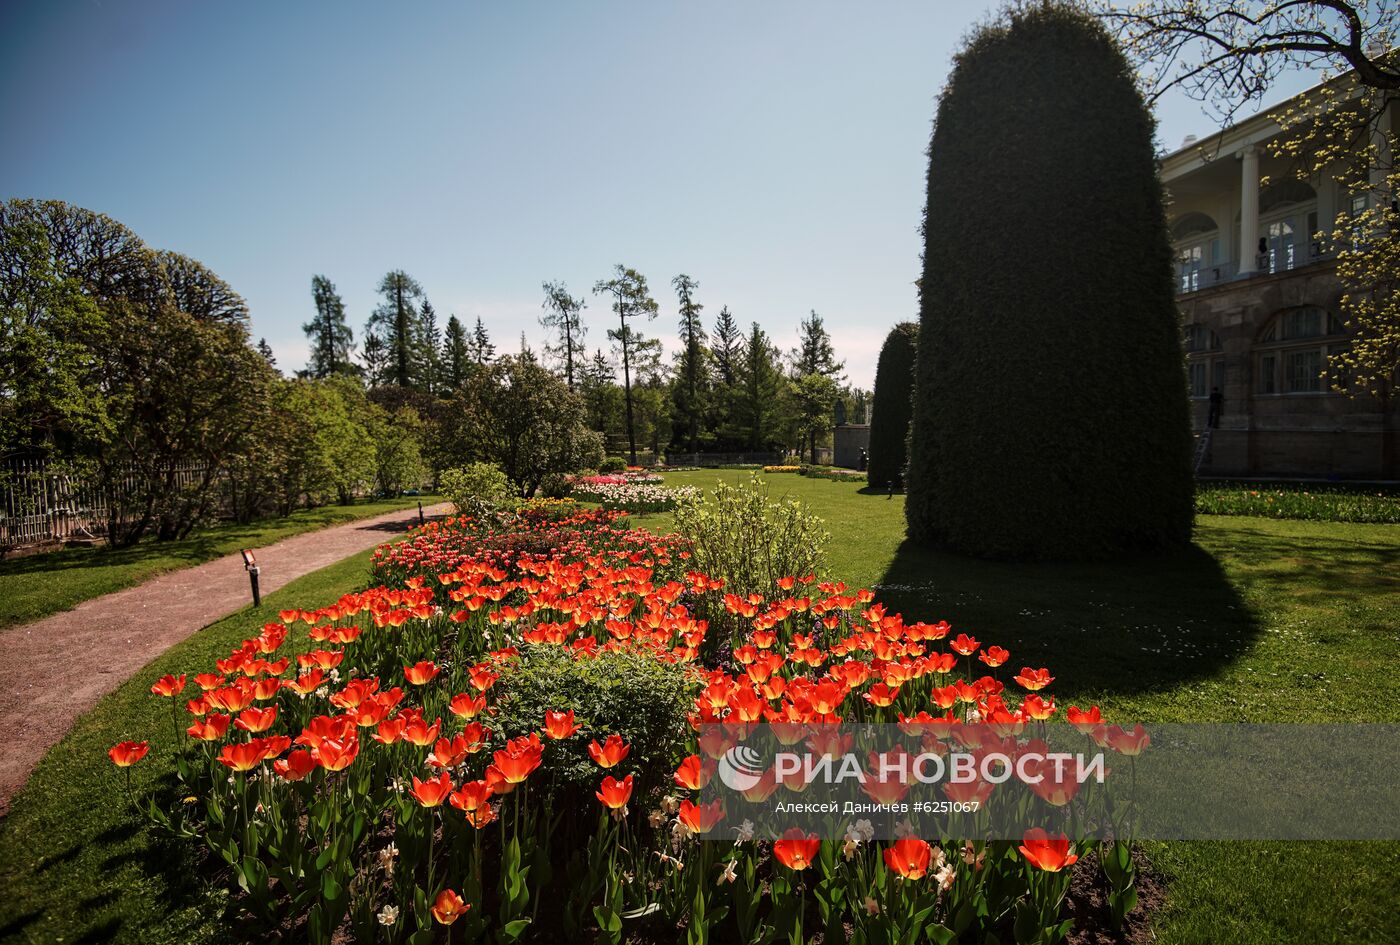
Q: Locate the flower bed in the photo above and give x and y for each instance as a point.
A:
(832, 473)
(782, 469)
(633, 494)
(357, 770)
(1318, 504)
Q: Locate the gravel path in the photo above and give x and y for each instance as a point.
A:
(55, 669)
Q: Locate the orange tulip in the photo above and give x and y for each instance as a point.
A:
(701, 818)
(964, 644)
(1034, 679)
(420, 673)
(431, 793)
(207, 681)
(420, 733)
(559, 725)
(471, 796)
(796, 850)
(295, 766)
(614, 793)
(449, 753)
(994, 656)
(126, 754)
(169, 686)
(210, 727)
(909, 857)
(694, 773)
(466, 706)
(242, 756)
(337, 754)
(390, 730)
(1128, 743)
(256, 720)
(1084, 721)
(1045, 852)
(612, 751)
(448, 907)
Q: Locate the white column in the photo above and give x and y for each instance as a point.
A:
(1249, 208)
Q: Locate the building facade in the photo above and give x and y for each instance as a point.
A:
(1259, 299)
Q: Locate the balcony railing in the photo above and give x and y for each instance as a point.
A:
(1295, 256)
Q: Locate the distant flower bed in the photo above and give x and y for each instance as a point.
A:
(618, 479)
(831, 473)
(782, 469)
(1313, 504)
(631, 496)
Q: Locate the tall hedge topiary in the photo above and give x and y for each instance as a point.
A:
(889, 419)
(1050, 414)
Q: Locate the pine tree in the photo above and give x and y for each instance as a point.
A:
(430, 345)
(814, 353)
(1050, 414)
(375, 354)
(397, 323)
(631, 298)
(691, 380)
(265, 350)
(894, 390)
(479, 346)
(330, 334)
(759, 387)
(727, 345)
(455, 357)
(814, 357)
(562, 314)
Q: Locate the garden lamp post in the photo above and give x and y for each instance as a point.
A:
(250, 565)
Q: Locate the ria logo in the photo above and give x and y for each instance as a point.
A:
(740, 768)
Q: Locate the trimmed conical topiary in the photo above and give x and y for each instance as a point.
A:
(1050, 413)
(889, 419)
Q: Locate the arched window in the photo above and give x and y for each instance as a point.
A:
(1198, 253)
(1205, 366)
(1287, 224)
(1292, 351)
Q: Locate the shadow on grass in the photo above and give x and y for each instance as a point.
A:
(1128, 627)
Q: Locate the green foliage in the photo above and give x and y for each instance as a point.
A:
(477, 489)
(742, 536)
(894, 392)
(1316, 504)
(330, 335)
(523, 418)
(1050, 415)
(612, 464)
(631, 694)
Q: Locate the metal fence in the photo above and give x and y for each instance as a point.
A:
(40, 503)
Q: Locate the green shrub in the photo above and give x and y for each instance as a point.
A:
(555, 486)
(612, 464)
(478, 489)
(1050, 414)
(832, 473)
(891, 406)
(749, 540)
(631, 694)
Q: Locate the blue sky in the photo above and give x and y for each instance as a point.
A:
(772, 150)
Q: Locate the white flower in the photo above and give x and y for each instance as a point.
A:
(743, 832)
(945, 876)
(865, 829)
(727, 876)
(388, 915)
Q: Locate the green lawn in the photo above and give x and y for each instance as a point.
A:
(1261, 620)
(77, 864)
(34, 586)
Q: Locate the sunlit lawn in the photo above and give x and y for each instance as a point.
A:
(1261, 620)
(34, 586)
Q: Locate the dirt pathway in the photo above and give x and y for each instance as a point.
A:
(55, 669)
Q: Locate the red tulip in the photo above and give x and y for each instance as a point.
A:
(448, 907)
(701, 818)
(256, 720)
(337, 754)
(431, 793)
(420, 673)
(559, 725)
(242, 756)
(610, 752)
(1045, 852)
(614, 793)
(1034, 679)
(796, 850)
(210, 727)
(169, 686)
(295, 766)
(126, 754)
(909, 857)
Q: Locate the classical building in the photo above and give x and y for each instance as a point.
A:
(1259, 296)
